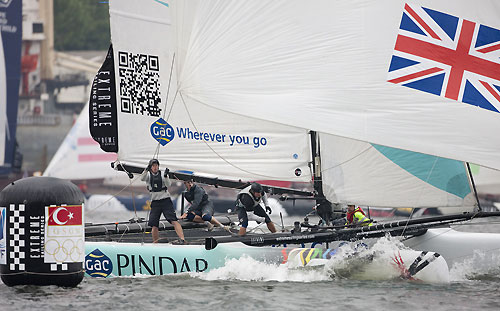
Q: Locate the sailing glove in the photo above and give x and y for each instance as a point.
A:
(166, 172)
(269, 210)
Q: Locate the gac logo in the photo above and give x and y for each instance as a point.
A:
(98, 265)
(162, 131)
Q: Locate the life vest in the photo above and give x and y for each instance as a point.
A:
(156, 182)
(255, 202)
(189, 195)
(358, 217)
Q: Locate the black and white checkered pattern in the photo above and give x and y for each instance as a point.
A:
(56, 266)
(16, 237)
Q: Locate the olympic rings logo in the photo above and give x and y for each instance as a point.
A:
(69, 249)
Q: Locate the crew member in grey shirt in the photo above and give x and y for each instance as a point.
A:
(160, 200)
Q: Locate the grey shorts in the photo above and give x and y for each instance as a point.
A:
(207, 209)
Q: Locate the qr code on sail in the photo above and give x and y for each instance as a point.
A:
(139, 83)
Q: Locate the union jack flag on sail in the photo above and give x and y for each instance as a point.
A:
(447, 56)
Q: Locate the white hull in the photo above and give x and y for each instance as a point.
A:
(456, 246)
(368, 264)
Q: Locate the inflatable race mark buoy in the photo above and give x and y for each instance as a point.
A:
(41, 232)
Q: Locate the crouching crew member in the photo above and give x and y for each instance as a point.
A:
(201, 208)
(249, 200)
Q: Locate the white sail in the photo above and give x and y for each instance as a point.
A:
(487, 181)
(79, 156)
(3, 103)
(365, 70)
(366, 174)
(273, 69)
(187, 134)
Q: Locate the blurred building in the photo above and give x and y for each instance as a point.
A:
(54, 86)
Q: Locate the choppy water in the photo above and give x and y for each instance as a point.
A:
(246, 284)
(242, 289)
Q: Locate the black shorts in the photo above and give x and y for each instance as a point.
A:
(163, 206)
(259, 211)
(243, 216)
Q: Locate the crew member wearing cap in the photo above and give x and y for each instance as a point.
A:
(249, 200)
(160, 200)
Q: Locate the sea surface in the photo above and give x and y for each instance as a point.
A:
(246, 284)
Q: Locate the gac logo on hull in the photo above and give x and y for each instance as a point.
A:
(162, 131)
(98, 265)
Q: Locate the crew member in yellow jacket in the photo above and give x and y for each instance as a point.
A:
(356, 216)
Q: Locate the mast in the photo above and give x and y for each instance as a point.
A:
(324, 208)
(316, 164)
(473, 186)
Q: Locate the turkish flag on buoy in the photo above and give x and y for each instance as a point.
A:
(70, 215)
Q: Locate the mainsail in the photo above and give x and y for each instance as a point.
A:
(231, 89)
(156, 119)
(416, 75)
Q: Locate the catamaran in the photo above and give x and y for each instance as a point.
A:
(379, 103)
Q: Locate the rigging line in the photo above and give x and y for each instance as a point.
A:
(145, 226)
(157, 150)
(257, 227)
(332, 167)
(218, 155)
(171, 106)
(131, 181)
(169, 81)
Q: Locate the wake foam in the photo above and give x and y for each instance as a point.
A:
(249, 269)
(354, 261)
(481, 266)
